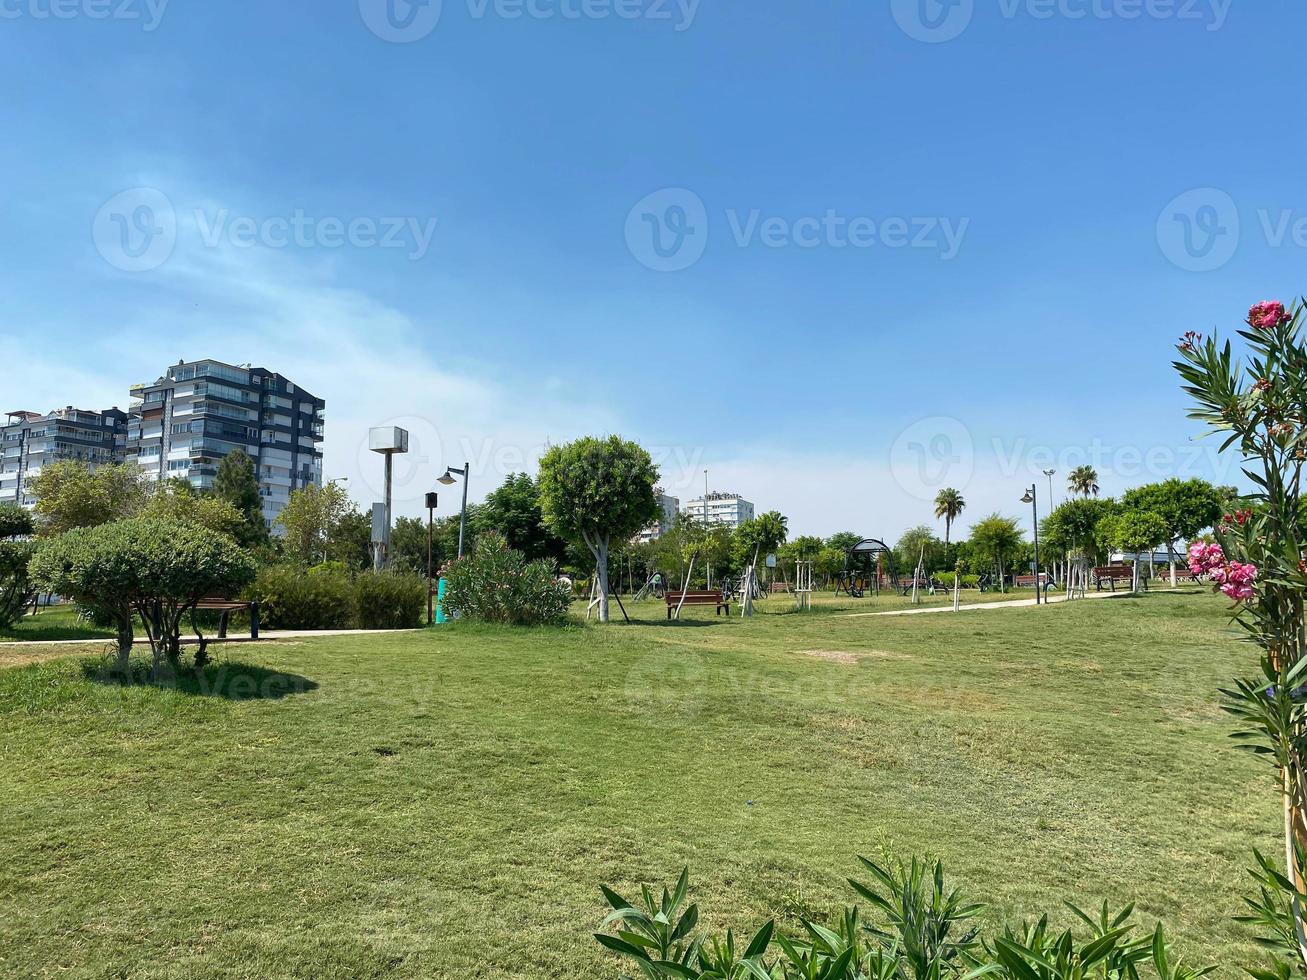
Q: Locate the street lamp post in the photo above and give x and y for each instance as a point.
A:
(1050, 474)
(1029, 498)
(431, 520)
(449, 480)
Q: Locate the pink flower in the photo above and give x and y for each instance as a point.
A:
(1205, 558)
(1267, 315)
(1242, 574)
(1189, 340)
(1237, 592)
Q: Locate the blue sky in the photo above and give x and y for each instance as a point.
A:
(899, 244)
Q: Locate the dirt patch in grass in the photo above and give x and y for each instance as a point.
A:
(851, 657)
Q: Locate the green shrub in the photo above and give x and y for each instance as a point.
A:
(16, 588)
(917, 928)
(291, 600)
(389, 601)
(151, 568)
(496, 584)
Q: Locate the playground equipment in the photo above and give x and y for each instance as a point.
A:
(655, 587)
(803, 585)
(867, 567)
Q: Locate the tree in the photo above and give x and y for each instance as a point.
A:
(176, 500)
(1084, 481)
(69, 494)
(948, 505)
(1188, 507)
(1133, 530)
(513, 510)
(1074, 528)
(844, 540)
(16, 590)
(760, 536)
(919, 544)
(155, 569)
(236, 484)
(349, 539)
(310, 517)
(595, 490)
(996, 539)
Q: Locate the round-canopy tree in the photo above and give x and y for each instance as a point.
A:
(153, 568)
(595, 491)
(1188, 507)
(15, 583)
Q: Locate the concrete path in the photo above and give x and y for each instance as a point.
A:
(1007, 604)
(263, 635)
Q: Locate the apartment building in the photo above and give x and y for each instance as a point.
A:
(186, 422)
(30, 440)
(721, 508)
(669, 507)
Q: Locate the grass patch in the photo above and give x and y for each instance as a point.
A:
(445, 803)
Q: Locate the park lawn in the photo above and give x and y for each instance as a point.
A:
(53, 623)
(446, 802)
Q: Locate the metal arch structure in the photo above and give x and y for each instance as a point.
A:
(861, 563)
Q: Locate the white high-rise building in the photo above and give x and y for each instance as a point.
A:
(30, 440)
(183, 425)
(669, 506)
(721, 508)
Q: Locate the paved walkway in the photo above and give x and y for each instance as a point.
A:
(263, 635)
(1008, 604)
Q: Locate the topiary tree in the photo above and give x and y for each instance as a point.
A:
(15, 584)
(595, 491)
(148, 567)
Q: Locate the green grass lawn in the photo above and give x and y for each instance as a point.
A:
(445, 803)
(53, 623)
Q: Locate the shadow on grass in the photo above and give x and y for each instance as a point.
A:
(231, 681)
(673, 623)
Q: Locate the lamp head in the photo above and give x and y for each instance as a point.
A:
(1029, 498)
(448, 479)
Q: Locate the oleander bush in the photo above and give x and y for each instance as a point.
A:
(496, 584)
(918, 929)
(16, 588)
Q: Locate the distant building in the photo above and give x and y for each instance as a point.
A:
(198, 412)
(669, 506)
(30, 441)
(721, 508)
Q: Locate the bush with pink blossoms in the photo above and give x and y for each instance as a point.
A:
(1260, 561)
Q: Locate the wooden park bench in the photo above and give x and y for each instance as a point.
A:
(1028, 581)
(776, 587)
(227, 607)
(710, 597)
(1111, 574)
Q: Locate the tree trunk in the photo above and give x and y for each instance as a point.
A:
(601, 558)
(1170, 557)
(126, 637)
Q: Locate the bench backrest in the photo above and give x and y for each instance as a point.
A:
(674, 597)
(1108, 571)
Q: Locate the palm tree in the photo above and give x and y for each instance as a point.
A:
(1084, 481)
(948, 505)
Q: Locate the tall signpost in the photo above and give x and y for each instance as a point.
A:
(431, 520)
(388, 441)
